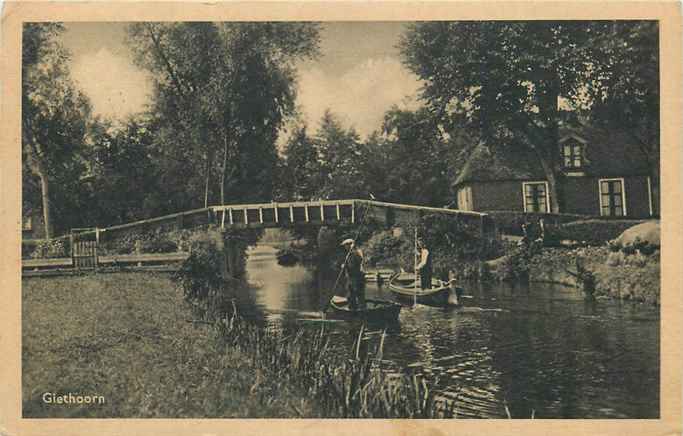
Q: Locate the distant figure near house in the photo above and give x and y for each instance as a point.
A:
(526, 235)
(425, 265)
(541, 235)
(355, 276)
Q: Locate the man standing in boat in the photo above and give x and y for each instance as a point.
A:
(424, 268)
(355, 276)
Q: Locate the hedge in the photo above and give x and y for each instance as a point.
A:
(510, 222)
(592, 231)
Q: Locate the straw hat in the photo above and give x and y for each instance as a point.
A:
(347, 241)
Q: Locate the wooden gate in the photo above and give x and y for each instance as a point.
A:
(84, 249)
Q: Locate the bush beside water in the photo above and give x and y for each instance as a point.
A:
(455, 247)
(615, 273)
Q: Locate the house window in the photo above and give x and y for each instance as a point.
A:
(612, 197)
(535, 196)
(465, 198)
(572, 153)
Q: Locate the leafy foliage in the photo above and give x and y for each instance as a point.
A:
(342, 156)
(200, 276)
(54, 124)
(124, 183)
(384, 247)
(50, 248)
(414, 158)
(452, 244)
(155, 241)
(517, 263)
(222, 91)
(300, 172)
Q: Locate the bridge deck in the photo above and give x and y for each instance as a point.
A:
(326, 212)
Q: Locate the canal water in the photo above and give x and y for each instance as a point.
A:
(540, 349)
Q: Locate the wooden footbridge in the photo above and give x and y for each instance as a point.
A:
(286, 215)
(302, 213)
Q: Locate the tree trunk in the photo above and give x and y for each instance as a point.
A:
(553, 188)
(38, 168)
(548, 152)
(224, 167)
(209, 162)
(45, 195)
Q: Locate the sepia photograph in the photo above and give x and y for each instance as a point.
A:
(341, 219)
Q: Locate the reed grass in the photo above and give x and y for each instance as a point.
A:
(352, 387)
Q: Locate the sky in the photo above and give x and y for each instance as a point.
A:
(358, 76)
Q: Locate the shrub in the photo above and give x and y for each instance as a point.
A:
(200, 276)
(50, 248)
(648, 249)
(122, 244)
(593, 231)
(384, 247)
(516, 265)
(637, 243)
(453, 244)
(159, 244)
(156, 241)
(628, 249)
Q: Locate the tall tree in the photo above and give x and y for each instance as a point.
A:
(222, 91)
(342, 157)
(300, 175)
(417, 158)
(124, 177)
(54, 119)
(625, 93)
(505, 79)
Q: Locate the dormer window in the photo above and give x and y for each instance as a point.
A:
(573, 152)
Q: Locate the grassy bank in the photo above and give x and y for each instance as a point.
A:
(126, 337)
(633, 277)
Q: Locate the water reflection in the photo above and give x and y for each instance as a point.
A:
(542, 347)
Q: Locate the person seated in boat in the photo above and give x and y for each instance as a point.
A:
(424, 268)
(355, 276)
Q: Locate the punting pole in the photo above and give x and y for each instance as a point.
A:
(415, 269)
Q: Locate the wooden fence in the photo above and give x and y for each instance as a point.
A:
(84, 254)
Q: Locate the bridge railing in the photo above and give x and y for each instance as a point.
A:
(331, 212)
(284, 214)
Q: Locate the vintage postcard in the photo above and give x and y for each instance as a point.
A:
(342, 217)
